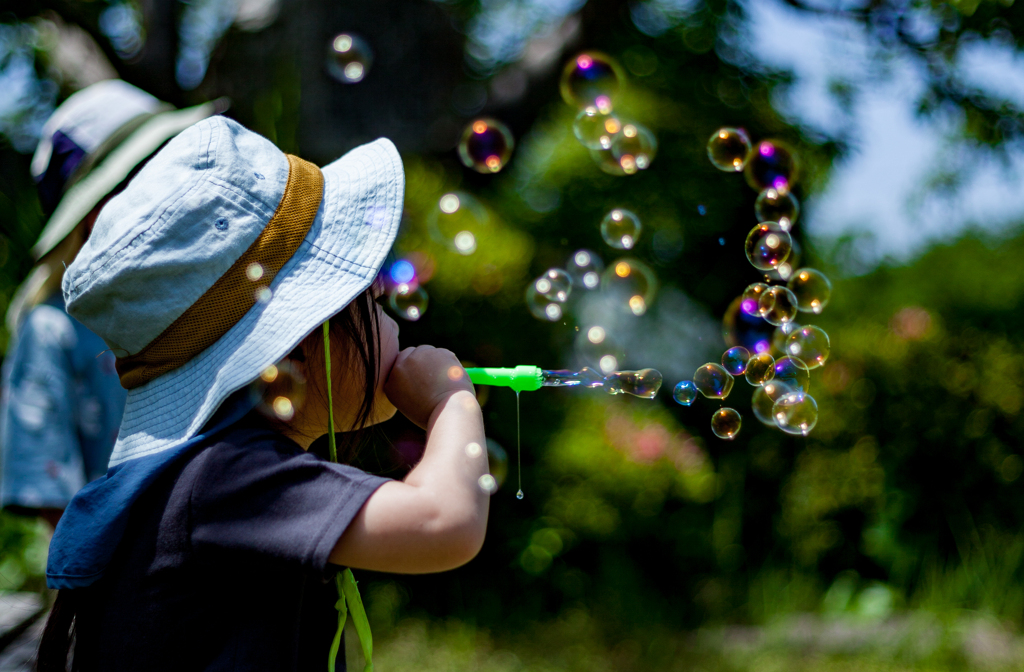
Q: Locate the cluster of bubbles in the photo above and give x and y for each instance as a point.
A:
(768, 348)
(349, 58)
(590, 82)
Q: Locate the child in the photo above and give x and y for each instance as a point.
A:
(212, 540)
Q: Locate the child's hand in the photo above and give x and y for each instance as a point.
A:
(422, 378)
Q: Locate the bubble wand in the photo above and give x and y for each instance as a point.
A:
(348, 591)
(644, 383)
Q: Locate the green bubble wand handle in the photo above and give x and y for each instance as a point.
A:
(520, 378)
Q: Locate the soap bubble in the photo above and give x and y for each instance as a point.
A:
(751, 298)
(810, 344)
(263, 294)
(728, 149)
(771, 164)
(740, 328)
(486, 145)
(631, 284)
(541, 306)
(595, 346)
(735, 360)
(685, 392)
(458, 221)
(725, 423)
(634, 148)
(254, 271)
(777, 305)
(620, 228)
(773, 205)
(585, 268)
(349, 58)
(767, 246)
(488, 484)
(796, 412)
(794, 372)
(409, 301)
(644, 383)
(280, 391)
(713, 381)
(760, 369)
(596, 129)
(607, 162)
(591, 78)
(812, 289)
(497, 461)
(763, 401)
(554, 285)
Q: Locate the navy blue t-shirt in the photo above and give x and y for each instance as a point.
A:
(224, 564)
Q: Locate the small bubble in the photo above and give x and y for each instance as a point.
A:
(585, 268)
(634, 148)
(812, 288)
(762, 403)
(456, 373)
(474, 450)
(486, 145)
(596, 129)
(630, 284)
(735, 359)
(778, 305)
(685, 392)
(721, 241)
(771, 164)
(760, 369)
(459, 221)
(725, 423)
(254, 272)
(713, 381)
(728, 149)
(794, 372)
(750, 301)
(349, 58)
(810, 344)
(488, 484)
(701, 210)
(796, 412)
(279, 391)
(409, 302)
(775, 206)
(621, 229)
(767, 246)
(591, 78)
(263, 295)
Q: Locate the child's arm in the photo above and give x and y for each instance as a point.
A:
(436, 518)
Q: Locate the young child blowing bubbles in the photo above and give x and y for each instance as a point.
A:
(213, 541)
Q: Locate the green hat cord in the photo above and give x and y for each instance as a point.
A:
(348, 591)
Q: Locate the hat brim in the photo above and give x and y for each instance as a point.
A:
(81, 198)
(339, 258)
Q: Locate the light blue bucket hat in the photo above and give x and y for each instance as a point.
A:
(216, 202)
(183, 225)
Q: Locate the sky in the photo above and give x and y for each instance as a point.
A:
(907, 180)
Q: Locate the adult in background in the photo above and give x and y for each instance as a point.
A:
(61, 400)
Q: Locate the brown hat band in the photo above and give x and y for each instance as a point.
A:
(235, 292)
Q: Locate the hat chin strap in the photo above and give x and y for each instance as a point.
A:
(348, 591)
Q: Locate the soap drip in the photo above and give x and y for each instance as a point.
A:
(519, 450)
(644, 383)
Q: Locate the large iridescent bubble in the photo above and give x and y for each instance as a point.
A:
(728, 149)
(771, 164)
(767, 245)
(591, 78)
(349, 58)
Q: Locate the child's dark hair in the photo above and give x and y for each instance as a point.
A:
(359, 326)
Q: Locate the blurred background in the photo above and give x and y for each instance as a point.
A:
(888, 538)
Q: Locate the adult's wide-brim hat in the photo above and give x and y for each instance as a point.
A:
(92, 142)
(219, 257)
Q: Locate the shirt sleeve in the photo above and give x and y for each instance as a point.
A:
(267, 500)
